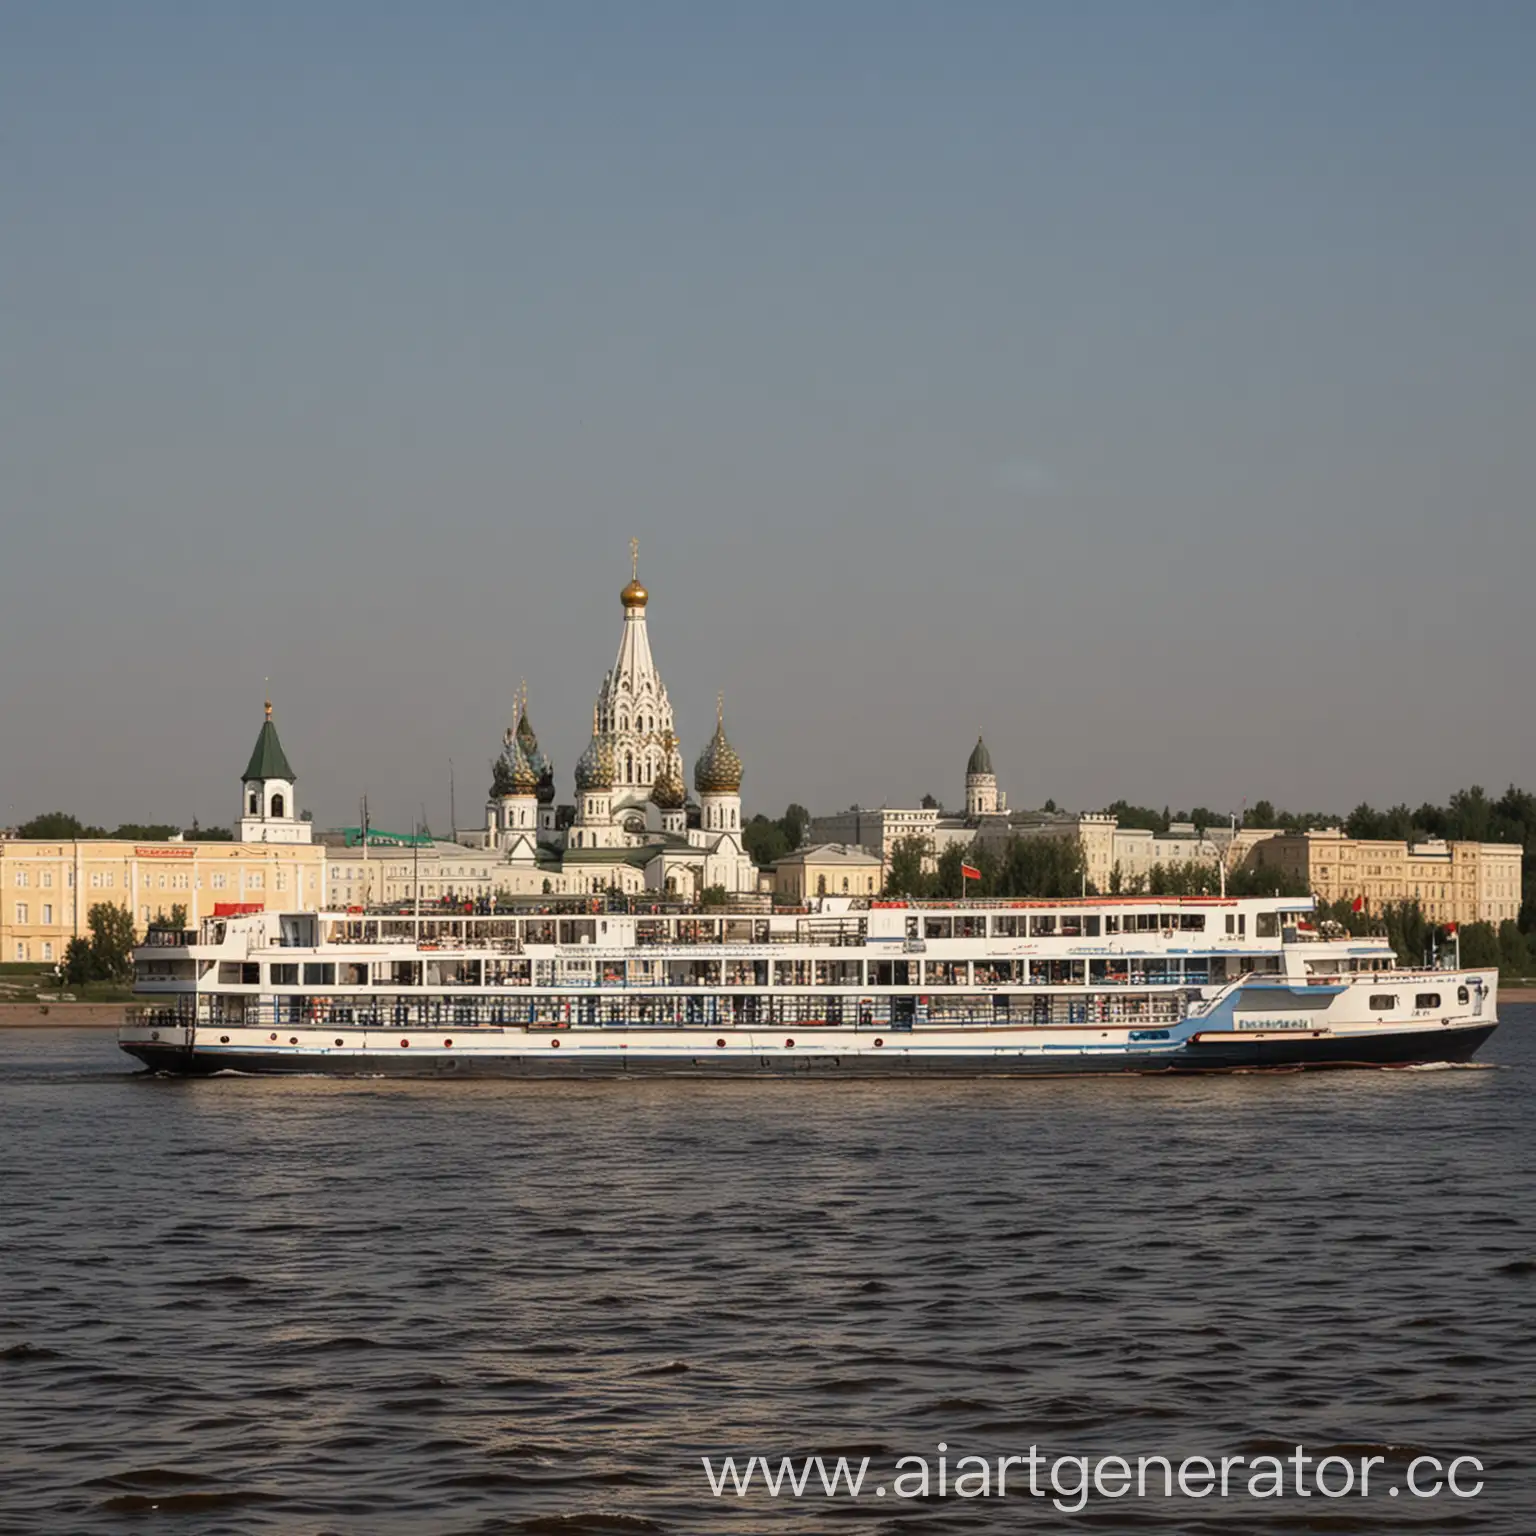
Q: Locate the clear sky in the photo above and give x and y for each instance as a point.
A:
(1151, 386)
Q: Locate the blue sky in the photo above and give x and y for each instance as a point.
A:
(1146, 385)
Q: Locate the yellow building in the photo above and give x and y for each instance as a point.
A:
(49, 887)
(1452, 882)
(829, 869)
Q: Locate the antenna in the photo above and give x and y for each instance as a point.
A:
(453, 808)
(634, 559)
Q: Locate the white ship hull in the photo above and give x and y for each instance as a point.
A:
(942, 991)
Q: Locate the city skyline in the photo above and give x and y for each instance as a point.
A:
(1144, 388)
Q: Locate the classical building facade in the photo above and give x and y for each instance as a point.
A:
(828, 869)
(50, 886)
(1453, 882)
(1112, 855)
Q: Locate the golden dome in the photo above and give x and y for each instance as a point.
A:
(634, 595)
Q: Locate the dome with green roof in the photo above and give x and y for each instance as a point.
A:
(980, 759)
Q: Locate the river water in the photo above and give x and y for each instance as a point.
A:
(302, 1306)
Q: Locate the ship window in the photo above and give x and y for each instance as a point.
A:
(1091, 926)
(320, 973)
(1266, 925)
(1462, 995)
(1427, 1000)
(1044, 924)
(1383, 1002)
(285, 975)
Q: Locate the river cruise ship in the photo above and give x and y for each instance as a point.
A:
(838, 988)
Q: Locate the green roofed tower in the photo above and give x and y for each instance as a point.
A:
(268, 813)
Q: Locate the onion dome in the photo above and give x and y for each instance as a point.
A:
(634, 595)
(597, 767)
(530, 745)
(718, 770)
(512, 773)
(669, 793)
(980, 760)
(546, 789)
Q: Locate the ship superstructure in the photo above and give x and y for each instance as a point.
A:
(837, 987)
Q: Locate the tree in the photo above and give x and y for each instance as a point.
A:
(111, 942)
(714, 896)
(176, 922)
(1260, 814)
(1264, 880)
(1514, 952)
(1479, 946)
(795, 820)
(1035, 866)
(764, 840)
(904, 874)
(929, 803)
(77, 962)
(56, 825)
(146, 831)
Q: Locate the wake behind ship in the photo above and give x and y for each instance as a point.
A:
(841, 987)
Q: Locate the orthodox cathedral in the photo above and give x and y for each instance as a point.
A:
(631, 825)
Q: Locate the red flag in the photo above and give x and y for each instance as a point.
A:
(969, 872)
(1450, 927)
(1358, 904)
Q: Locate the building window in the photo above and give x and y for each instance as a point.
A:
(47, 912)
(253, 806)
(277, 805)
(21, 951)
(254, 879)
(21, 879)
(21, 911)
(47, 950)
(220, 881)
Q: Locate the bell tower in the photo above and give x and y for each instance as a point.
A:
(269, 813)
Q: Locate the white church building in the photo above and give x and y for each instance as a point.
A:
(632, 828)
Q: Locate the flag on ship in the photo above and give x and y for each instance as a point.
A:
(969, 872)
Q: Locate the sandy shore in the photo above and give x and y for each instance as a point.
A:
(61, 1015)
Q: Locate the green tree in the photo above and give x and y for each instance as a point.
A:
(1264, 880)
(77, 962)
(714, 896)
(1514, 952)
(111, 942)
(56, 825)
(764, 840)
(1040, 866)
(794, 822)
(1479, 943)
(1260, 814)
(146, 831)
(904, 874)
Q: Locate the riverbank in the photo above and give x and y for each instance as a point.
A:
(61, 1015)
